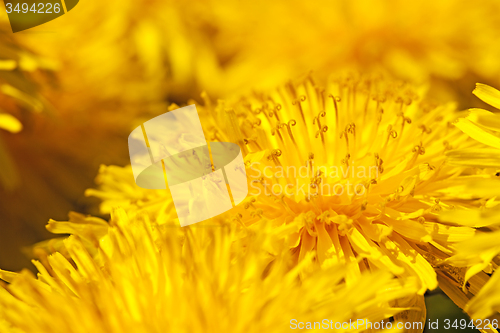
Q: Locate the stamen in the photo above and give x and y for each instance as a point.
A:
(336, 100)
(425, 129)
(345, 161)
(233, 128)
(253, 141)
(317, 119)
(344, 134)
(273, 156)
(257, 123)
(290, 86)
(256, 111)
(405, 120)
(275, 111)
(379, 117)
(298, 103)
(399, 100)
(291, 122)
(392, 133)
(250, 204)
(277, 130)
(380, 100)
(351, 128)
(257, 213)
(288, 126)
(310, 162)
(238, 218)
(368, 184)
(320, 92)
(378, 163)
(321, 130)
(419, 150)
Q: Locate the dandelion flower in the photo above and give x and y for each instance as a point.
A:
(480, 255)
(355, 173)
(146, 279)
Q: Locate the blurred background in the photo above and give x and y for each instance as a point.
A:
(71, 90)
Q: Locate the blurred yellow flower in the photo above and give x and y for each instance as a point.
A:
(19, 96)
(24, 75)
(144, 278)
(144, 52)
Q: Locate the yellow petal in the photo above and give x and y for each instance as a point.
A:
(485, 118)
(10, 123)
(474, 218)
(409, 229)
(484, 158)
(7, 64)
(452, 291)
(484, 303)
(26, 99)
(448, 234)
(477, 133)
(488, 94)
(403, 252)
(416, 314)
(7, 276)
(325, 247)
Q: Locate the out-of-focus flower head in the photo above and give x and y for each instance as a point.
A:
(23, 77)
(145, 52)
(19, 95)
(354, 173)
(144, 278)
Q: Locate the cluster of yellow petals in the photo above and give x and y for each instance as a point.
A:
(142, 277)
(426, 217)
(370, 121)
(481, 253)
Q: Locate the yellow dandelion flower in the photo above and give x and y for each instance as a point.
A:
(375, 176)
(146, 279)
(354, 172)
(480, 255)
